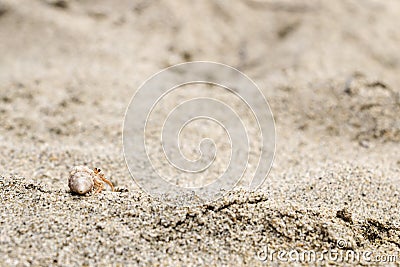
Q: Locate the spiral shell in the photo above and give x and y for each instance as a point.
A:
(81, 180)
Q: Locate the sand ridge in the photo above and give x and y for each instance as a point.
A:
(68, 69)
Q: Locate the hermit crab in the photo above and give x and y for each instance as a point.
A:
(83, 180)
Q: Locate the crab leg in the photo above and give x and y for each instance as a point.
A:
(99, 186)
(107, 182)
(99, 174)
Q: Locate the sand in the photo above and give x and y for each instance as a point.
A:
(329, 70)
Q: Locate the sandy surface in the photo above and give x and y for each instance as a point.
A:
(329, 69)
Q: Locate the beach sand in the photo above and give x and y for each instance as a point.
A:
(329, 70)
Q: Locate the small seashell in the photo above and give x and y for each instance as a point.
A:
(81, 180)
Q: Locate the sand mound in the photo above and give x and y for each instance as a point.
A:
(329, 69)
(104, 228)
(359, 108)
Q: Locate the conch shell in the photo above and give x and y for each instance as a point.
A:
(81, 180)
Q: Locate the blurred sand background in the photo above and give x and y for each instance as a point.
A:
(329, 69)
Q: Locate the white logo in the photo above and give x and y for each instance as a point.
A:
(198, 129)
